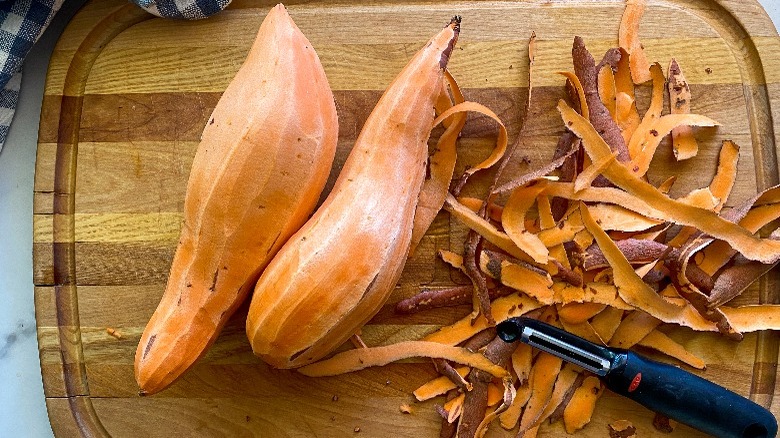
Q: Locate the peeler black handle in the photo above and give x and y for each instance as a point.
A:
(688, 398)
(665, 389)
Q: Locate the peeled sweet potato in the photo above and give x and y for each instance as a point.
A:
(261, 165)
(338, 270)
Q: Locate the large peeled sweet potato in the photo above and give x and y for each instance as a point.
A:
(262, 163)
(335, 273)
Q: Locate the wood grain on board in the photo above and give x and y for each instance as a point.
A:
(127, 96)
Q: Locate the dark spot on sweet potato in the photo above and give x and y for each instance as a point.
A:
(213, 286)
(149, 345)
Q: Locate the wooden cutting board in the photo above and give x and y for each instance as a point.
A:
(127, 96)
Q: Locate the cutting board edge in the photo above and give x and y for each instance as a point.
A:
(83, 415)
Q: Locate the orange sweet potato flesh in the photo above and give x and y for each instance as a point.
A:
(262, 163)
(338, 270)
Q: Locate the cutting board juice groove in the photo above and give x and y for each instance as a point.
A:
(127, 96)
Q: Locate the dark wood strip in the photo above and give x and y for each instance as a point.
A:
(123, 263)
(182, 116)
(64, 268)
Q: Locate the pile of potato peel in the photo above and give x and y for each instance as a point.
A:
(585, 243)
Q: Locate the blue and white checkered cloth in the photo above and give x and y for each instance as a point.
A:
(23, 21)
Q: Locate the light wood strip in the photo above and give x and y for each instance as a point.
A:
(477, 64)
(115, 227)
(379, 24)
(491, 21)
(128, 178)
(768, 47)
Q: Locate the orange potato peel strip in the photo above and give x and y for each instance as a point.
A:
(502, 308)
(494, 394)
(606, 82)
(545, 371)
(726, 173)
(521, 362)
(662, 343)
(577, 313)
(513, 222)
(634, 327)
(684, 143)
(628, 38)
(546, 219)
(575, 81)
(653, 113)
(626, 114)
(509, 418)
(593, 292)
(533, 250)
(556, 236)
(702, 198)
(452, 259)
(441, 165)
(501, 142)
(662, 127)
(667, 184)
(438, 386)
(753, 318)
(663, 207)
(454, 408)
(606, 323)
(586, 177)
(580, 409)
(616, 218)
(518, 277)
(361, 358)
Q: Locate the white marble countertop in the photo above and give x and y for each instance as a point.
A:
(22, 409)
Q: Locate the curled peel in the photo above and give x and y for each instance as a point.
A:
(361, 358)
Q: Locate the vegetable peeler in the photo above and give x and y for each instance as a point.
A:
(666, 389)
